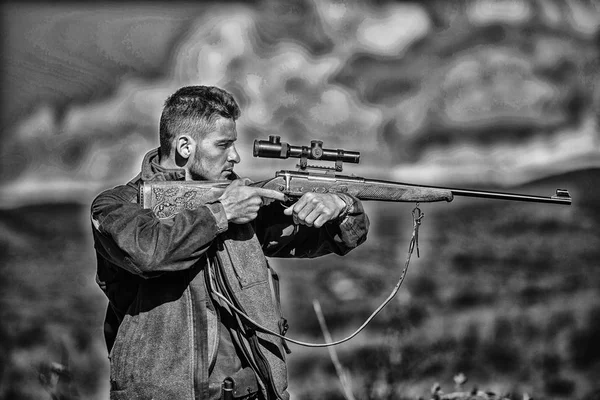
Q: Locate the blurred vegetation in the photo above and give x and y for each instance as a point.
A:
(506, 293)
(50, 308)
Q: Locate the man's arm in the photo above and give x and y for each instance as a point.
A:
(135, 239)
(292, 232)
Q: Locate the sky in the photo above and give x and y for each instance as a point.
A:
(462, 93)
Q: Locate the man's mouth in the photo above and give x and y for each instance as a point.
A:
(228, 172)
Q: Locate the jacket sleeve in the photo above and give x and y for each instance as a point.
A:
(133, 238)
(279, 236)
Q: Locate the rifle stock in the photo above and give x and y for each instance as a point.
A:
(167, 198)
(296, 184)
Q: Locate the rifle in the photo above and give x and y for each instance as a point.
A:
(169, 198)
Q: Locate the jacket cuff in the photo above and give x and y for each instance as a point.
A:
(218, 212)
(349, 209)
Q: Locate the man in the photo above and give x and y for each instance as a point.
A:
(169, 335)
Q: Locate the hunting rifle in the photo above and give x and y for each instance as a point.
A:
(168, 198)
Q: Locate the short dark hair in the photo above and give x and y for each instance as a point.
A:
(194, 109)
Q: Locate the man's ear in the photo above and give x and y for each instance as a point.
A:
(183, 146)
(183, 150)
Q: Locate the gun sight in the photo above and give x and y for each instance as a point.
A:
(275, 148)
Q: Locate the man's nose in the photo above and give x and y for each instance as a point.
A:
(233, 155)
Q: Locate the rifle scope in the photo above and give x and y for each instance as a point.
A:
(275, 148)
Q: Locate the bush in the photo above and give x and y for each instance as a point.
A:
(584, 343)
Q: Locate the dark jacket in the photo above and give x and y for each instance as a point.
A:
(161, 324)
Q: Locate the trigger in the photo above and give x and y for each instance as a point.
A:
(287, 201)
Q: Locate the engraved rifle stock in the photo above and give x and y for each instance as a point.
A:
(167, 198)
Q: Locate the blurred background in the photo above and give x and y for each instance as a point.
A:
(500, 95)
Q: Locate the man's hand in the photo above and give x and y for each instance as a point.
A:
(241, 202)
(314, 209)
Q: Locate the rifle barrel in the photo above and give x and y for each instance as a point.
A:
(561, 197)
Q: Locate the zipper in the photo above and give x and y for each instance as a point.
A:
(194, 365)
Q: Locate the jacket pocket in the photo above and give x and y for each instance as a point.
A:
(154, 340)
(120, 354)
(242, 250)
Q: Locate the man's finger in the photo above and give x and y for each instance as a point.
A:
(266, 201)
(269, 193)
(319, 222)
(238, 182)
(308, 219)
(305, 211)
(312, 217)
(299, 205)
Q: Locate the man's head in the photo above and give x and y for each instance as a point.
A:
(197, 132)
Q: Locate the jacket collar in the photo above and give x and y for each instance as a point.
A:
(153, 171)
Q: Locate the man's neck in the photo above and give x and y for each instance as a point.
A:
(169, 163)
(166, 162)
